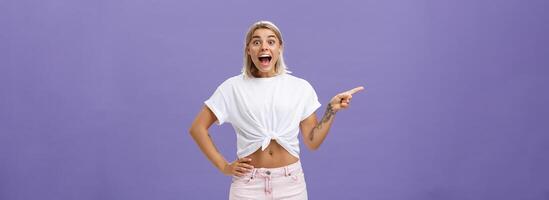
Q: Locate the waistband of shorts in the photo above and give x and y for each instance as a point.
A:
(279, 171)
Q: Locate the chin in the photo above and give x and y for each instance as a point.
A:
(266, 70)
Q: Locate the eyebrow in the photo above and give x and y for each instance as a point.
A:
(270, 36)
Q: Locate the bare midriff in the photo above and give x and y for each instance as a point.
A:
(272, 157)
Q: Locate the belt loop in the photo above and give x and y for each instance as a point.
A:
(268, 184)
(252, 176)
(253, 173)
(286, 171)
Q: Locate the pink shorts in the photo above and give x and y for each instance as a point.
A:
(286, 182)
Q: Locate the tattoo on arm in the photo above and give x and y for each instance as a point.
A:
(329, 114)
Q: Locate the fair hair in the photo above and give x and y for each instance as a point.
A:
(249, 67)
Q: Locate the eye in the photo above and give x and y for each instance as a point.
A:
(272, 42)
(256, 42)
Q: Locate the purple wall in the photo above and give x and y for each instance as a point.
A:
(97, 96)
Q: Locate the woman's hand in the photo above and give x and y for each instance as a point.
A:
(239, 167)
(342, 100)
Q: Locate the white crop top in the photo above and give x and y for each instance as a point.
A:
(264, 109)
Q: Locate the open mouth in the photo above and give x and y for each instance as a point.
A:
(265, 59)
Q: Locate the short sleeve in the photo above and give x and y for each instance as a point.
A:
(218, 105)
(310, 102)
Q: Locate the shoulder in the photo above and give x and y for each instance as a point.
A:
(231, 81)
(296, 81)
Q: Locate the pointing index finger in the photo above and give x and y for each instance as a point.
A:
(355, 90)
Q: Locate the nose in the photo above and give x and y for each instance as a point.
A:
(264, 46)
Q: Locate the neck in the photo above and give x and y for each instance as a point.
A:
(260, 74)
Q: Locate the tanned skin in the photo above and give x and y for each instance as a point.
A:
(263, 42)
(274, 155)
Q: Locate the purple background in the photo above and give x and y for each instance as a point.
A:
(97, 96)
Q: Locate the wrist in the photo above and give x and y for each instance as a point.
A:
(226, 169)
(222, 166)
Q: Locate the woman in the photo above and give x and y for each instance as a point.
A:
(267, 107)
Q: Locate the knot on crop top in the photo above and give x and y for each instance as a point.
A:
(267, 140)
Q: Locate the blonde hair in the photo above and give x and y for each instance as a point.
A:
(249, 68)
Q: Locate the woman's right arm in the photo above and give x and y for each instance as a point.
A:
(200, 134)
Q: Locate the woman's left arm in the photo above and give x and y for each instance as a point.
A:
(315, 132)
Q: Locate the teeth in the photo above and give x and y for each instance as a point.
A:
(263, 56)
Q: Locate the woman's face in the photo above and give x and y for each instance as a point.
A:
(264, 50)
